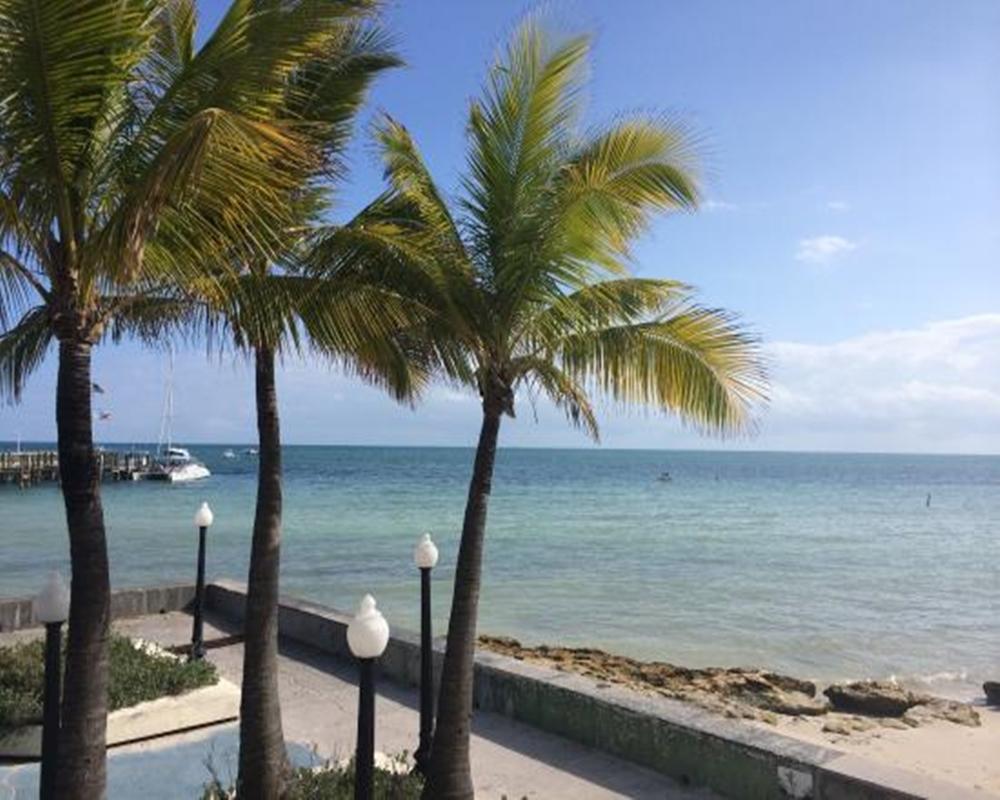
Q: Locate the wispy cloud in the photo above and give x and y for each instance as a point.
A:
(933, 387)
(718, 205)
(823, 249)
(838, 205)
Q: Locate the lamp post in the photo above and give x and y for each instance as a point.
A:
(425, 556)
(203, 518)
(51, 609)
(367, 636)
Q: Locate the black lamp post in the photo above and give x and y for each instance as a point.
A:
(367, 636)
(203, 519)
(425, 556)
(51, 609)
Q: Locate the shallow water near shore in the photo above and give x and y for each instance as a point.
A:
(827, 566)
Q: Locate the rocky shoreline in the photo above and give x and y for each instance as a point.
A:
(753, 694)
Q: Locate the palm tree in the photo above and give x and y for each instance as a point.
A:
(270, 306)
(128, 157)
(531, 284)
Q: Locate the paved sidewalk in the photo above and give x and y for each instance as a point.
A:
(319, 706)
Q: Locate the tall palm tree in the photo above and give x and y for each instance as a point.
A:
(128, 157)
(270, 306)
(531, 283)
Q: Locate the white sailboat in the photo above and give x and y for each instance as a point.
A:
(173, 464)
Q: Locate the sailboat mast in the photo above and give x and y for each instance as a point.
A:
(167, 418)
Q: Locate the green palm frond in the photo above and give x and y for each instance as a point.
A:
(223, 178)
(518, 132)
(562, 390)
(696, 362)
(416, 199)
(327, 92)
(17, 285)
(614, 182)
(602, 304)
(153, 319)
(22, 350)
(64, 67)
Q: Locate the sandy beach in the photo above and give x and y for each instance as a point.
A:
(967, 756)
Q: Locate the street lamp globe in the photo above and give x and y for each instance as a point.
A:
(204, 517)
(52, 603)
(425, 555)
(368, 632)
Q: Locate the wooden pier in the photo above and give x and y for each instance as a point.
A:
(28, 468)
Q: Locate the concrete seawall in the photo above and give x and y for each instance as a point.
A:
(671, 737)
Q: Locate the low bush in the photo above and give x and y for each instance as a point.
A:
(335, 782)
(136, 675)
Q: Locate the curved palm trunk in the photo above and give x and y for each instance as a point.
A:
(81, 769)
(262, 743)
(450, 774)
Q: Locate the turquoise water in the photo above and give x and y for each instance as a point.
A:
(825, 565)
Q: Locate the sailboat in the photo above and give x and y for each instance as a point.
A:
(173, 464)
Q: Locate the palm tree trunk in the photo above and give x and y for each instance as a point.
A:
(450, 773)
(262, 743)
(81, 769)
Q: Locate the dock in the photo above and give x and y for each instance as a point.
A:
(30, 468)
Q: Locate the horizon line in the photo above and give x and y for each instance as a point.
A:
(581, 448)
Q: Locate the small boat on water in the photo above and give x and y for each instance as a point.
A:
(173, 464)
(251, 451)
(176, 465)
(228, 454)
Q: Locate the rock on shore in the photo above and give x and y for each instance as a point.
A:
(888, 699)
(735, 692)
(992, 691)
(875, 698)
(748, 693)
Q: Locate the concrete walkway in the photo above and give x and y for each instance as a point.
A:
(319, 706)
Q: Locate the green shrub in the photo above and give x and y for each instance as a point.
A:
(136, 676)
(333, 782)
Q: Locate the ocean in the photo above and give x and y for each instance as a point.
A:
(828, 566)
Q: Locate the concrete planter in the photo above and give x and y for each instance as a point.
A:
(209, 705)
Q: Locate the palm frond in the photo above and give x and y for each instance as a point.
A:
(327, 92)
(602, 304)
(64, 66)
(616, 181)
(154, 319)
(518, 130)
(413, 188)
(221, 180)
(696, 362)
(22, 350)
(562, 389)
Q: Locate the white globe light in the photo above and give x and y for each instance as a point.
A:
(425, 555)
(204, 517)
(52, 603)
(368, 632)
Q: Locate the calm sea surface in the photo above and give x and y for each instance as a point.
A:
(827, 566)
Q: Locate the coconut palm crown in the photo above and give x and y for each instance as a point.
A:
(529, 271)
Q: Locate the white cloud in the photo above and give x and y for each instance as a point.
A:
(936, 387)
(823, 249)
(838, 205)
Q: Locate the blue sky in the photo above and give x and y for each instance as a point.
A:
(853, 219)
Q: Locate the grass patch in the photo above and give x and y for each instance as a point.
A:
(334, 782)
(136, 676)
